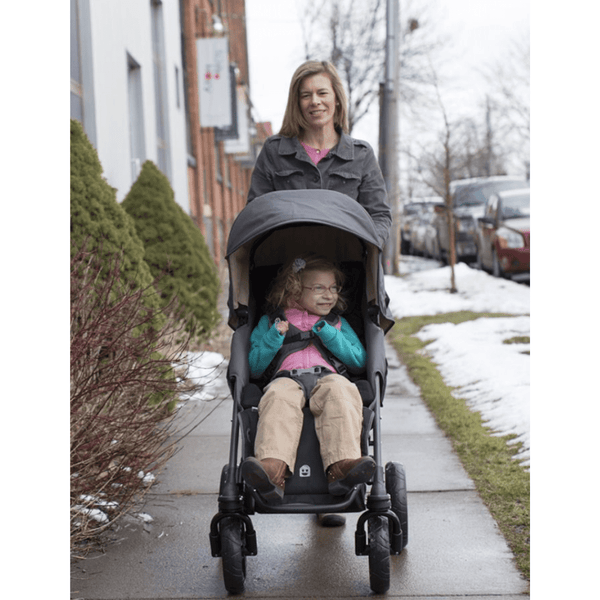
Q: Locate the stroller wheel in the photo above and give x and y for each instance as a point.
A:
(395, 486)
(379, 554)
(232, 555)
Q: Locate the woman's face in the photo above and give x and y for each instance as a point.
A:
(317, 101)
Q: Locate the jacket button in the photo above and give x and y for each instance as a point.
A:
(316, 179)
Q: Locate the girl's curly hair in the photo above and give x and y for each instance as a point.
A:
(288, 282)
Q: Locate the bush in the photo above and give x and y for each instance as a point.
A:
(175, 247)
(97, 220)
(123, 390)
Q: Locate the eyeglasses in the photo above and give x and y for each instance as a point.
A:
(319, 290)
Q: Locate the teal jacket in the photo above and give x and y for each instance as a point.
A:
(266, 341)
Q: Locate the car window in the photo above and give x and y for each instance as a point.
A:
(515, 207)
(472, 195)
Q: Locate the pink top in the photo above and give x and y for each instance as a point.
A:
(310, 356)
(314, 154)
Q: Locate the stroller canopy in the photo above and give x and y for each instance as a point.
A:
(279, 224)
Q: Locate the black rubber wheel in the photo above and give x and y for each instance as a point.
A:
(379, 554)
(232, 555)
(395, 486)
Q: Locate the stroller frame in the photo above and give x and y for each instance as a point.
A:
(278, 223)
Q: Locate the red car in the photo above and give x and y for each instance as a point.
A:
(503, 235)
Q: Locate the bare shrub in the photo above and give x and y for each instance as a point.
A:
(128, 370)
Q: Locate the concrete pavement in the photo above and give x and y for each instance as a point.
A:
(455, 548)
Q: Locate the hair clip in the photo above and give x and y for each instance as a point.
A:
(298, 265)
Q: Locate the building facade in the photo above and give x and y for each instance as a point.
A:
(167, 81)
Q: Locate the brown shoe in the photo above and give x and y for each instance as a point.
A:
(267, 476)
(343, 475)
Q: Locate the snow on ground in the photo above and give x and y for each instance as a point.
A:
(426, 292)
(207, 370)
(492, 376)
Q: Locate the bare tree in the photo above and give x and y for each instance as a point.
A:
(509, 100)
(473, 145)
(437, 169)
(351, 34)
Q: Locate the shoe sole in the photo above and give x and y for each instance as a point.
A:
(361, 473)
(255, 476)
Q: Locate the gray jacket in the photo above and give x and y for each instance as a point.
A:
(350, 168)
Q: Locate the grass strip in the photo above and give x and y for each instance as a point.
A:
(502, 482)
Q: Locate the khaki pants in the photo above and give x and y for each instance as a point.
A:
(336, 405)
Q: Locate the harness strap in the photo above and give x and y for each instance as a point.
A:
(299, 337)
(306, 378)
(296, 340)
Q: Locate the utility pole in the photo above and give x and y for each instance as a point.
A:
(388, 134)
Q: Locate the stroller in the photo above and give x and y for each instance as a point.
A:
(264, 235)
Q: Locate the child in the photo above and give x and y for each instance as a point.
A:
(319, 347)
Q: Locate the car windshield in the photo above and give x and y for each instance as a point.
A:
(473, 195)
(515, 207)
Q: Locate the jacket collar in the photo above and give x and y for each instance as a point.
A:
(344, 148)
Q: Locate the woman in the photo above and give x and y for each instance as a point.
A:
(314, 151)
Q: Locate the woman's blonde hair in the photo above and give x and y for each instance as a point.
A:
(288, 282)
(293, 120)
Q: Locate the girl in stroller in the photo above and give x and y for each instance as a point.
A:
(273, 230)
(303, 350)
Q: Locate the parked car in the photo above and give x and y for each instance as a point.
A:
(411, 214)
(503, 241)
(419, 230)
(432, 245)
(469, 197)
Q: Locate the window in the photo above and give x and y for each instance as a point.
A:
(76, 87)
(82, 70)
(136, 116)
(160, 88)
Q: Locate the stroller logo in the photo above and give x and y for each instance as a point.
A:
(304, 471)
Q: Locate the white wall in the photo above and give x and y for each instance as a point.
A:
(173, 50)
(120, 27)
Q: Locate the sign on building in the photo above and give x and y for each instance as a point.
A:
(214, 82)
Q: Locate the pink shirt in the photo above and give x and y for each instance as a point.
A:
(310, 356)
(314, 154)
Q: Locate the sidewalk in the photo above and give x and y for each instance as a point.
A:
(455, 547)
